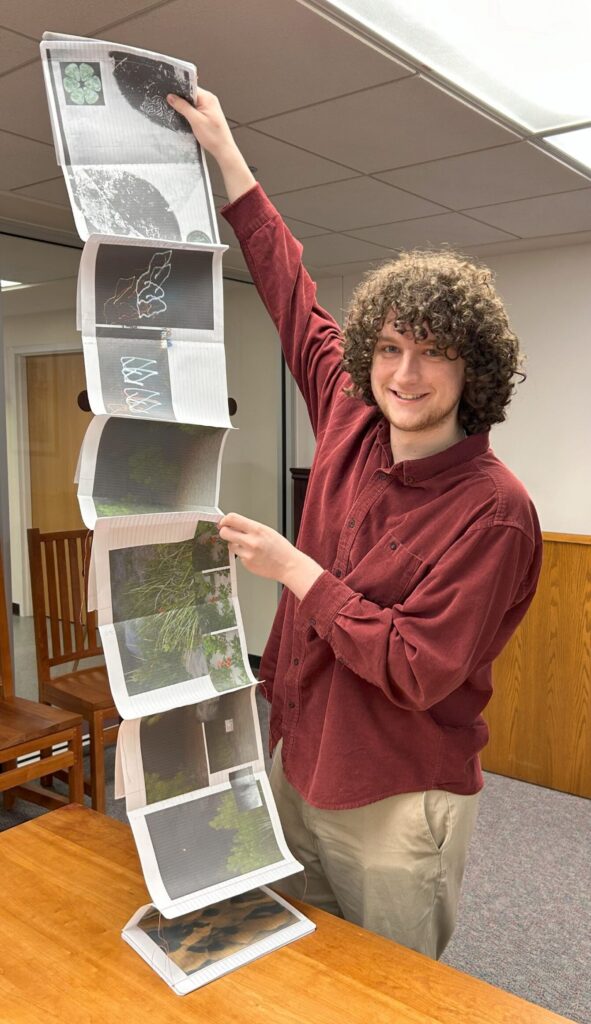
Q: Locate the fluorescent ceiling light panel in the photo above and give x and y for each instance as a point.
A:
(6, 285)
(576, 144)
(530, 60)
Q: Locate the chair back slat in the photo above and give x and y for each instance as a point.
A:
(65, 592)
(38, 593)
(6, 678)
(61, 561)
(94, 639)
(76, 583)
(49, 575)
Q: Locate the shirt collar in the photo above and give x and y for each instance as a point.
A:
(414, 471)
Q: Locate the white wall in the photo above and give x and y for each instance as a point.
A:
(28, 333)
(546, 439)
(250, 467)
(547, 436)
(332, 297)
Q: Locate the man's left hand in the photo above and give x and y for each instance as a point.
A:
(266, 553)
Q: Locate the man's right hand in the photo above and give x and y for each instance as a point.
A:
(212, 131)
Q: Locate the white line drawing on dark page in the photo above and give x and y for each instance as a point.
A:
(136, 370)
(140, 296)
(141, 401)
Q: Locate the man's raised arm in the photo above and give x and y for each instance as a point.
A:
(310, 336)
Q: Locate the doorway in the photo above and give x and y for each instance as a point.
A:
(56, 429)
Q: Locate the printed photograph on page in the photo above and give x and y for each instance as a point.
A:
(140, 467)
(131, 163)
(189, 748)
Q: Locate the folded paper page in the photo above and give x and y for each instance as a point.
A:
(152, 327)
(204, 846)
(135, 468)
(195, 949)
(132, 166)
(199, 947)
(189, 748)
(167, 611)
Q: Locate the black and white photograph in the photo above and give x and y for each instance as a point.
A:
(132, 165)
(149, 200)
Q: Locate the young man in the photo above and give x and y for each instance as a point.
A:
(418, 555)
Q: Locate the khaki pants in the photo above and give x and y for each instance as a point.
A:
(394, 866)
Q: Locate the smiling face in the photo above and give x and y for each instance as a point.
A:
(418, 389)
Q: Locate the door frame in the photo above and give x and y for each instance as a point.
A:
(19, 467)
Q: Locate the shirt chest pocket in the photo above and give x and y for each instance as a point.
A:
(388, 573)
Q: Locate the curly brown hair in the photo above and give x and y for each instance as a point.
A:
(456, 299)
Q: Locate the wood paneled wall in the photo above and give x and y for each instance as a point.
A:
(540, 713)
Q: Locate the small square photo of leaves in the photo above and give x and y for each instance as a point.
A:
(82, 83)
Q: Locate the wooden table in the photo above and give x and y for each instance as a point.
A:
(71, 880)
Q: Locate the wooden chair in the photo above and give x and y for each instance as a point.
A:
(66, 632)
(25, 728)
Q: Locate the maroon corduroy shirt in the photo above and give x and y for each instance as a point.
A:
(378, 677)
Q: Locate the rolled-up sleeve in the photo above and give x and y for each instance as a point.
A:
(457, 618)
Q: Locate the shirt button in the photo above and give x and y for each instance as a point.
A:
(410, 479)
(296, 661)
(312, 622)
(393, 545)
(338, 573)
(382, 476)
(351, 524)
(290, 704)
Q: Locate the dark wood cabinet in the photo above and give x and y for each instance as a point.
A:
(299, 484)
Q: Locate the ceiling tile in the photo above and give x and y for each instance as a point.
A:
(356, 203)
(389, 126)
(353, 270)
(71, 16)
(22, 259)
(304, 230)
(23, 104)
(227, 236)
(15, 50)
(447, 229)
(280, 167)
(60, 294)
(261, 58)
(490, 176)
(24, 161)
(52, 191)
(529, 244)
(332, 249)
(545, 215)
(234, 260)
(35, 219)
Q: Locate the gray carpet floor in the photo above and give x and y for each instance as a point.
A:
(525, 915)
